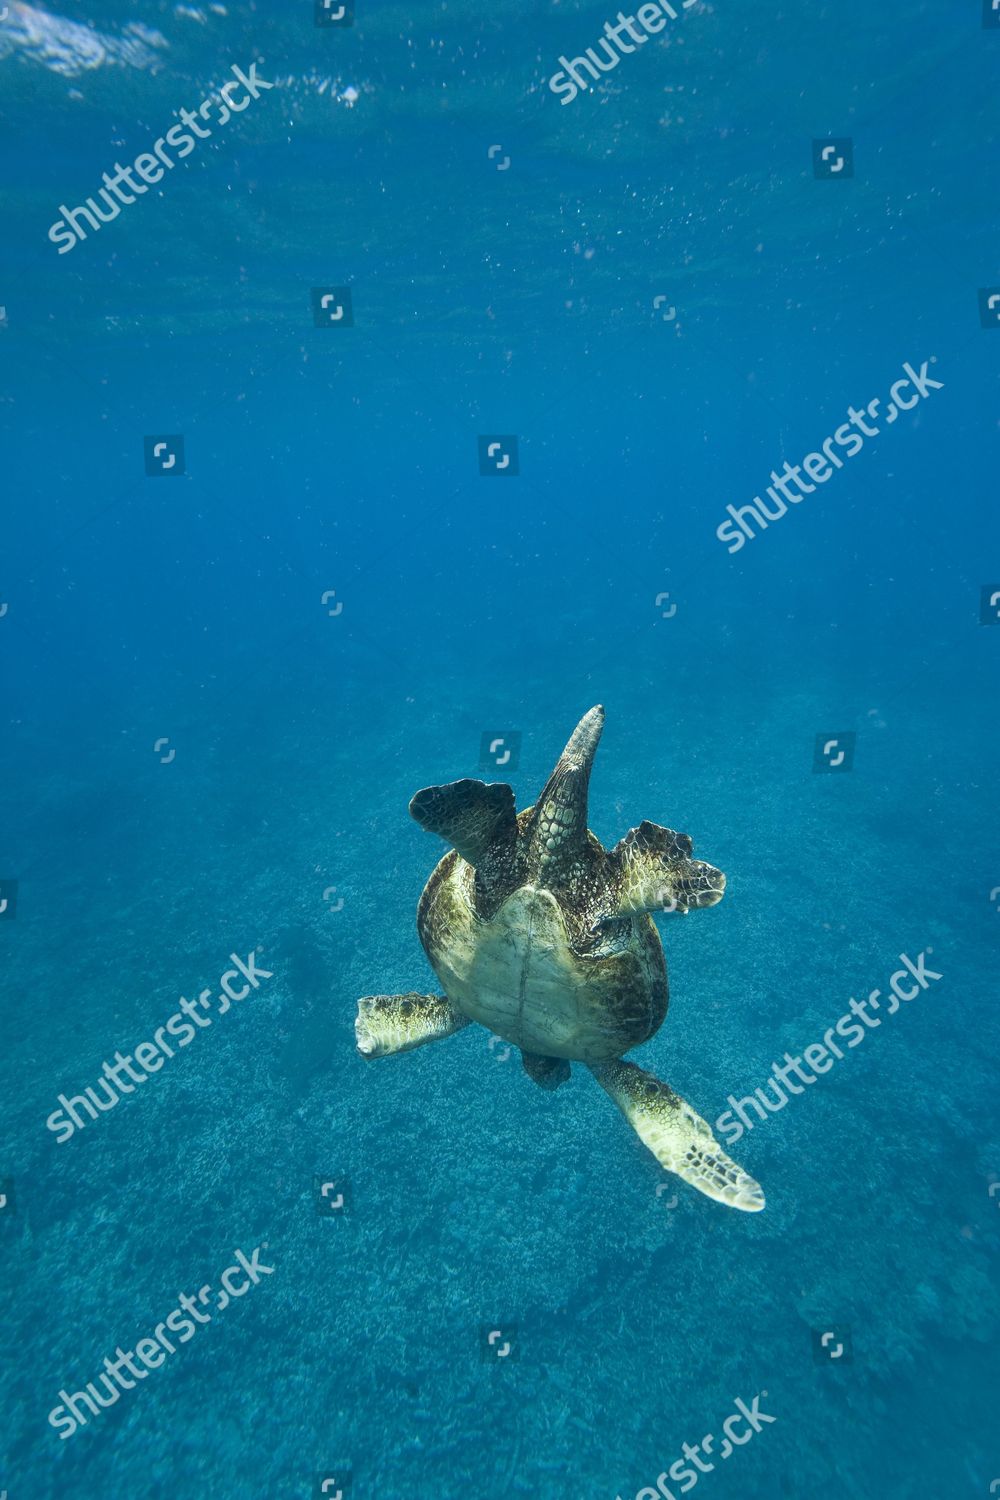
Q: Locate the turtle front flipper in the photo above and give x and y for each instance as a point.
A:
(398, 1023)
(681, 1140)
(651, 869)
(547, 1072)
(477, 819)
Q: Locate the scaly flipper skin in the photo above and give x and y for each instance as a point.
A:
(477, 819)
(651, 869)
(559, 849)
(547, 1072)
(680, 1140)
(398, 1023)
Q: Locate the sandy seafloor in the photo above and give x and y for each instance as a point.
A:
(475, 1196)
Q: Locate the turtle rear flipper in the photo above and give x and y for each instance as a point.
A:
(651, 869)
(680, 1140)
(547, 1072)
(398, 1023)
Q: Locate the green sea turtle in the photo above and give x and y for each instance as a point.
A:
(542, 936)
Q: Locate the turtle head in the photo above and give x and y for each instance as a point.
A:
(652, 870)
(684, 882)
(557, 831)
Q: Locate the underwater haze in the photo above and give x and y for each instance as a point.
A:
(382, 387)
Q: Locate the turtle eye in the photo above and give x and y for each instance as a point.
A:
(405, 1007)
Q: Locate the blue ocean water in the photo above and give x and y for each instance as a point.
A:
(224, 679)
